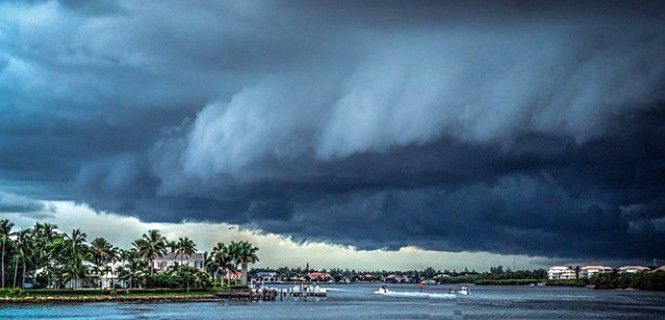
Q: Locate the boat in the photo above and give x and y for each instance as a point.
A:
(464, 291)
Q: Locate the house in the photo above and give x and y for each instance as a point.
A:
(393, 278)
(296, 279)
(633, 269)
(319, 276)
(590, 271)
(162, 264)
(107, 279)
(267, 277)
(560, 273)
(367, 277)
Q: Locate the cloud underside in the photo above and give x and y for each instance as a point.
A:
(434, 126)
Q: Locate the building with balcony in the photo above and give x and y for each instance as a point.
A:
(561, 273)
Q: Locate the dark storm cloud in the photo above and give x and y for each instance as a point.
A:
(505, 127)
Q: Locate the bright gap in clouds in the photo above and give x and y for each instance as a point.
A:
(275, 250)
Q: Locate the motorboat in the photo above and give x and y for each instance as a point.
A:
(464, 291)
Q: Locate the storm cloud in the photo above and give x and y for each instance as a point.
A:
(511, 128)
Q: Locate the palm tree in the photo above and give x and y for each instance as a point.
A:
(151, 246)
(185, 248)
(244, 254)
(221, 260)
(24, 246)
(132, 268)
(5, 231)
(103, 252)
(43, 234)
(73, 251)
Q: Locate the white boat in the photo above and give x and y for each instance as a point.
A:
(464, 291)
(409, 294)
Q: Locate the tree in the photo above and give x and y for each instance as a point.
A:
(24, 246)
(5, 231)
(151, 246)
(103, 252)
(133, 267)
(221, 260)
(244, 254)
(185, 248)
(44, 234)
(71, 251)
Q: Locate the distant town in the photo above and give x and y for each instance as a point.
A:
(496, 275)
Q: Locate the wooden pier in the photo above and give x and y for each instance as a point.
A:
(268, 294)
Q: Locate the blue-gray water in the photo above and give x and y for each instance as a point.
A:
(359, 302)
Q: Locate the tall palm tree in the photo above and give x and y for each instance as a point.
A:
(133, 267)
(185, 248)
(43, 234)
(102, 252)
(221, 260)
(5, 230)
(151, 245)
(244, 253)
(24, 246)
(73, 251)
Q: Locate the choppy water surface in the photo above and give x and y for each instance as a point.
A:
(360, 302)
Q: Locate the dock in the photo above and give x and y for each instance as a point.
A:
(272, 294)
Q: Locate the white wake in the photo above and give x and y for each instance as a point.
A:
(402, 294)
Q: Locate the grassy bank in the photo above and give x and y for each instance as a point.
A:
(145, 295)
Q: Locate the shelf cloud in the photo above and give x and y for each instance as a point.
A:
(507, 128)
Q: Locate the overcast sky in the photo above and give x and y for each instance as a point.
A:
(410, 131)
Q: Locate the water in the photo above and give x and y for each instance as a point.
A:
(360, 302)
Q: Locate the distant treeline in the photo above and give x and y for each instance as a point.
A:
(496, 276)
(441, 276)
(642, 281)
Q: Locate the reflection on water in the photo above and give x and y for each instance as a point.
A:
(360, 302)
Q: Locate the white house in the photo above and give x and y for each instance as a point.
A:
(195, 261)
(633, 269)
(267, 277)
(590, 271)
(107, 280)
(560, 273)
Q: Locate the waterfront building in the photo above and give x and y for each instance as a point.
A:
(195, 261)
(393, 278)
(560, 273)
(633, 269)
(319, 276)
(589, 271)
(267, 277)
(367, 277)
(106, 277)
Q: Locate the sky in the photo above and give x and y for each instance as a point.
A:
(396, 134)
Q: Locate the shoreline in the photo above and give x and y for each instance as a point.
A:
(209, 297)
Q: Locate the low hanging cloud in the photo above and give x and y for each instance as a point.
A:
(15, 203)
(508, 128)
